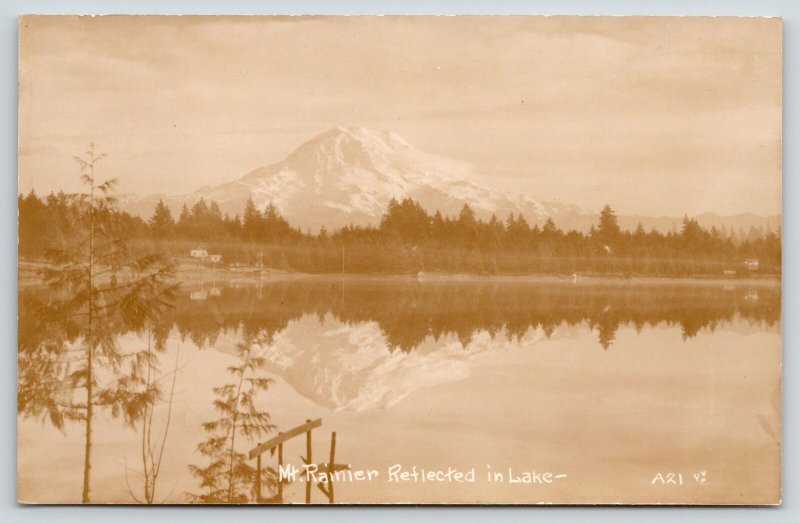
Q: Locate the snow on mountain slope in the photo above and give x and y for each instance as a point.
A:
(352, 367)
(347, 176)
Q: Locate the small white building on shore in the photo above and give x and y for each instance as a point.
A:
(751, 264)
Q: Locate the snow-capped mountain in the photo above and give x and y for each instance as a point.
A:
(349, 175)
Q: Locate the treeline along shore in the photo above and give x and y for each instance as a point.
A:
(409, 240)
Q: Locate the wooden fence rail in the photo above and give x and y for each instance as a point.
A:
(283, 436)
(277, 442)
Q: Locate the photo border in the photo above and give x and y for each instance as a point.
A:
(789, 11)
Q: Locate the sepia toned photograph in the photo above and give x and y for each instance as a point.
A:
(503, 260)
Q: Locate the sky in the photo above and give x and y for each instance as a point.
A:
(652, 115)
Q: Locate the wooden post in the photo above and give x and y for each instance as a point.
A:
(331, 464)
(280, 465)
(278, 441)
(308, 462)
(258, 479)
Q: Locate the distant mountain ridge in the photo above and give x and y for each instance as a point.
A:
(348, 176)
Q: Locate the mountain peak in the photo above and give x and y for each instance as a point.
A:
(348, 143)
(365, 134)
(348, 175)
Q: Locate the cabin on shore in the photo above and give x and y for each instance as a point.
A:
(199, 253)
(198, 295)
(751, 264)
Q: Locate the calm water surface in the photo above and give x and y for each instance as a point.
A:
(608, 385)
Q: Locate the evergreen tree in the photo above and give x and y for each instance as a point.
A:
(228, 478)
(549, 228)
(608, 230)
(161, 223)
(184, 224)
(466, 226)
(71, 363)
(252, 221)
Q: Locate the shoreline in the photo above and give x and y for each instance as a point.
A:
(190, 275)
(767, 281)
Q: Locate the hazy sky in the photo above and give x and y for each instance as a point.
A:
(652, 115)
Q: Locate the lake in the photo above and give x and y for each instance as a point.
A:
(615, 391)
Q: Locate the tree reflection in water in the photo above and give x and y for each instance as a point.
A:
(409, 312)
(406, 316)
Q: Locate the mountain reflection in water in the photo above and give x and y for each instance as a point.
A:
(347, 350)
(359, 344)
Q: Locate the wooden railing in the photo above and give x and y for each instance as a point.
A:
(277, 442)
